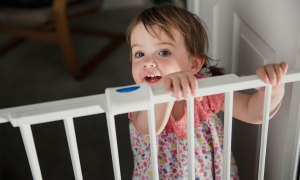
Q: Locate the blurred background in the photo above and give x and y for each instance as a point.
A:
(76, 48)
(34, 71)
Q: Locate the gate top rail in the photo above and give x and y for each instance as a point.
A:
(96, 104)
(54, 110)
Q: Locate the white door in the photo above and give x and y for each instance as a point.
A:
(245, 34)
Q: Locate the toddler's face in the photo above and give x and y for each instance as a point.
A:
(153, 58)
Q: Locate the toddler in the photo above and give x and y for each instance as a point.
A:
(168, 45)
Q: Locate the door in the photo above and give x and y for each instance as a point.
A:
(246, 34)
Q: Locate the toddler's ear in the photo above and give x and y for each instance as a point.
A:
(196, 64)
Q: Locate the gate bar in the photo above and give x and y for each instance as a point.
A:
(113, 145)
(73, 148)
(191, 135)
(264, 134)
(31, 152)
(228, 108)
(153, 144)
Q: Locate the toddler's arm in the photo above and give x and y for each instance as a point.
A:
(162, 113)
(249, 108)
(180, 84)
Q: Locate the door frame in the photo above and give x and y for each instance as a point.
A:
(292, 147)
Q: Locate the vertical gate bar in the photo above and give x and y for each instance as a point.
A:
(227, 135)
(71, 137)
(296, 153)
(113, 145)
(264, 132)
(153, 144)
(191, 140)
(31, 151)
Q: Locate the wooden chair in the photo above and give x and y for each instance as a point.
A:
(51, 24)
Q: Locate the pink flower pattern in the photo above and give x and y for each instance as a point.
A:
(172, 145)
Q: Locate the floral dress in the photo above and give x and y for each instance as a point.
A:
(172, 145)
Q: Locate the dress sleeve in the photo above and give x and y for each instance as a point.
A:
(209, 104)
(204, 106)
(179, 127)
(216, 102)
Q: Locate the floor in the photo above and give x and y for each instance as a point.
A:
(34, 72)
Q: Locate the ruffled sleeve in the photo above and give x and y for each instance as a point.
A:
(204, 106)
(207, 105)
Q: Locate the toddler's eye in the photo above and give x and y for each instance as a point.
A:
(164, 53)
(138, 54)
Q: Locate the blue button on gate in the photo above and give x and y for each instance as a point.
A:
(128, 89)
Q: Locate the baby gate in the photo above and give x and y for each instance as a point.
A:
(135, 98)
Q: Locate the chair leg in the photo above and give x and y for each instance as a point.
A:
(69, 56)
(64, 40)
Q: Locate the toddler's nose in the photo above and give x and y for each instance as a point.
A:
(149, 64)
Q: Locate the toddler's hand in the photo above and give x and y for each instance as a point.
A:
(272, 73)
(181, 84)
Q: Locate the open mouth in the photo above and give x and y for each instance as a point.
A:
(152, 79)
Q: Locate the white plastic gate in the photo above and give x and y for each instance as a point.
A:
(134, 98)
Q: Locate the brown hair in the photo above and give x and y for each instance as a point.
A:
(167, 17)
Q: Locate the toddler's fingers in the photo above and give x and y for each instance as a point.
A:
(284, 67)
(176, 87)
(279, 73)
(185, 85)
(270, 70)
(168, 85)
(261, 73)
(193, 83)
